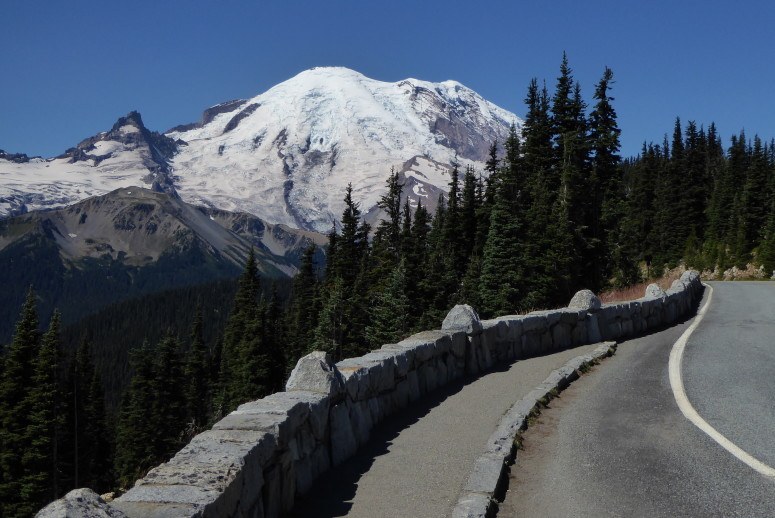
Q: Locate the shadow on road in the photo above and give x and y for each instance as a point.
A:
(333, 492)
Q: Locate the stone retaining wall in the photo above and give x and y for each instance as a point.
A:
(258, 459)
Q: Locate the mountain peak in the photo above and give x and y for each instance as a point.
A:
(333, 70)
(285, 155)
(304, 139)
(132, 118)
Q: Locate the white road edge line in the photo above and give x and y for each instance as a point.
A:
(676, 383)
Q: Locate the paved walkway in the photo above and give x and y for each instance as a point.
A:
(417, 461)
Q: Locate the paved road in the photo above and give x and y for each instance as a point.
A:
(416, 463)
(616, 443)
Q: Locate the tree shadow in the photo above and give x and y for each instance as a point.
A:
(333, 492)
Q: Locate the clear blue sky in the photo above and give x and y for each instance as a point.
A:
(69, 69)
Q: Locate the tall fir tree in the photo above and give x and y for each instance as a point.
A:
(275, 341)
(572, 175)
(439, 284)
(387, 246)
(329, 332)
(388, 316)
(503, 262)
(416, 257)
(607, 208)
(486, 196)
(452, 230)
(304, 308)
(766, 256)
(41, 457)
(136, 432)
(91, 450)
(756, 195)
(19, 369)
(242, 321)
(197, 377)
(469, 211)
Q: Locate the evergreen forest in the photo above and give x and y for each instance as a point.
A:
(556, 209)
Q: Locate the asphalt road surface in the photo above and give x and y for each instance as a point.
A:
(616, 443)
(418, 460)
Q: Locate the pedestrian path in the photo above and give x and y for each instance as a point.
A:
(417, 461)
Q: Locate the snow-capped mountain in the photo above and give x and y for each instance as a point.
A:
(127, 155)
(285, 155)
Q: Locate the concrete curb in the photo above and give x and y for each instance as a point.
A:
(486, 483)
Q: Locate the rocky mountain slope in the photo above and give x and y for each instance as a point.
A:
(284, 156)
(128, 243)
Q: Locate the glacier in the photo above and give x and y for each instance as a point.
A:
(285, 155)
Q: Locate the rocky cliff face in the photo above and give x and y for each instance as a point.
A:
(153, 150)
(284, 156)
(138, 226)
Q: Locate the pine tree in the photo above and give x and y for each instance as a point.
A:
(439, 284)
(389, 315)
(676, 204)
(357, 301)
(571, 167)
(541, 190)
(252, 375)
(136, 433)
(406, 227)
(537, 132)
(606, 190)
(98, 474)
(695, 183)
(242, 320)
(91, 450)
(352, 262)
(389, 229)
(504, 262)
(766, 255)
(386, 246)
(416, 258)
(564, 116)
(351, 245)
(197, 377)
(19, 369)
(452, 230)
(566, 252)
(469, 289)
(303, 309)
(485, 194)
(669, 232)
(275, 340)
(501, 277)
(152, 416)
(40, 459)
(755, 196)
(330, 328)
(469, 210)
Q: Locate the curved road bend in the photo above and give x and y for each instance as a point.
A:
(616, 444)
(418, 460)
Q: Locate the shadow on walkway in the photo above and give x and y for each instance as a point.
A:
(333, 492)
